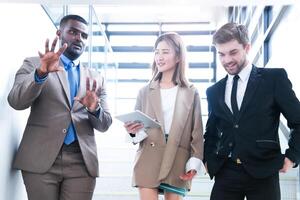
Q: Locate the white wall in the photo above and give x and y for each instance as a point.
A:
(24, 28)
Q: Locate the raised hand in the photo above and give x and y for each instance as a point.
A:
(91, 99)
(50, 59)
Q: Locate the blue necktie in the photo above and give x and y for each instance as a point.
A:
(73, 83)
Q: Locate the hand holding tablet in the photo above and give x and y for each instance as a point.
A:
(138, 116)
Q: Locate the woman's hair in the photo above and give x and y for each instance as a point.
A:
(231, 31)
(175, 41)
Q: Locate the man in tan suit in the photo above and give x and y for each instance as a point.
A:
(58, 153)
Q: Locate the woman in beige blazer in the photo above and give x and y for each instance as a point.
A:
(168, 157)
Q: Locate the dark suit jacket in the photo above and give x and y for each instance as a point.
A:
(51, 115)
(252, 136)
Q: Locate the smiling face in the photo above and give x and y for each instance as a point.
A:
(165, 57)
(75, 34)
(233, 56)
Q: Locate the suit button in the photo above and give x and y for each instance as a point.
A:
(230, 144)
(152, 144)
(64, 130)
(236, 126)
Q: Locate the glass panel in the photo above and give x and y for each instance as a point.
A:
(133, 27)
(82, 10)
(131, 74)
(129, 89)
(132, 57)
(200, 57)
(132, 40)
(197, 40)
(200, 73)
(124, 105)
(187, 27)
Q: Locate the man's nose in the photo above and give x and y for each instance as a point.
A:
(227, 59)
(78, 37)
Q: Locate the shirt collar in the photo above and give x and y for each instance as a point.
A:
(244, 74)
(65, 60)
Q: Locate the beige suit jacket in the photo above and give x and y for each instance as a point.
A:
(51, 115)
(160, 162)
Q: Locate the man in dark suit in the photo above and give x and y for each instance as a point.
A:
(58, 153)
(241, 148)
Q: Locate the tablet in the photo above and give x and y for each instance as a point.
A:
(138, 116)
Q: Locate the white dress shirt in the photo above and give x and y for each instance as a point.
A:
(241, 88)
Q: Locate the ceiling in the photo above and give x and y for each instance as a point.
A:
(160, 2)
(156, 10)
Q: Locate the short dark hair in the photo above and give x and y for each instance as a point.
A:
(231, 31)
(66, 18)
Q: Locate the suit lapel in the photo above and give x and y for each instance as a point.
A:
(253, 82)
(183, 104)
(82, 87)
(62, 76)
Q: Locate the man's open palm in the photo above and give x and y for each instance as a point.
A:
(50, 59)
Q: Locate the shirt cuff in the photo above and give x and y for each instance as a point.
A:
(39, 80)
(195, 164)
(139, 136)
(96, 113)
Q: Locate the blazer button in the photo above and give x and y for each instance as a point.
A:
(236, 126)
(64, 130)
(230, 144)
(152, 144)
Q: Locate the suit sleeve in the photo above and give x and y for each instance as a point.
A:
(290, 108)
(25, 89)
(197, 132)
(211, 133)
(104, 120)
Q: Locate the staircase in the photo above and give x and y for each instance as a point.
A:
(116, 158)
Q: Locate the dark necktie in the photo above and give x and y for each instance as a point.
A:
(73, 83)
(234, 105)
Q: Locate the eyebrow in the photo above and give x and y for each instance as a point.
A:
(162, 49)
(73, 28)
(231, 51)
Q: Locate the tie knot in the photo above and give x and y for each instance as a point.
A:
(70, 65)
(236, 77)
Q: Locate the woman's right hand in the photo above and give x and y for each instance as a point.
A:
(133, 127)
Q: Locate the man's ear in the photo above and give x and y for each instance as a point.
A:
(248, 47)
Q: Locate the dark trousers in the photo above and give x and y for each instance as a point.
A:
(67, 179)
(232, 182)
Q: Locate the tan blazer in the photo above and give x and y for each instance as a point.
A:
(51, 115)
(157, 162)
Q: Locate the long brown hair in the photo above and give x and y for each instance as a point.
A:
(175, 41)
